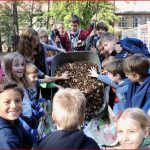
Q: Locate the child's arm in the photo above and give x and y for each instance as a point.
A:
(50, 85)
(104, 78)
(48, 79)
(53, 48)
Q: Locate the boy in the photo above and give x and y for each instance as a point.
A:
(116, 74)
(92, 40)
(76, 35)
(12, 134)
(136, 68)
(116, 79)
(123, 48)
(68, 113)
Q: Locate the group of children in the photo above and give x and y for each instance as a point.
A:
(68, 113)
(27, 70)
(132, 81)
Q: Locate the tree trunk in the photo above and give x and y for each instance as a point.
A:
(0, 43)
(48, 15)
(31, 14)
(15, 26)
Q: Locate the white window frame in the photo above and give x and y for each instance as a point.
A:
(123, 21)
(136, 21)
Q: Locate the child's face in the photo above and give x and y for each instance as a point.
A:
(10, 104)
(129, 133)
(100, 32)
(74, 26)
(18, 68)
(61, 29)
(32, 77)
(108, 46)
(114, 78)
(43, 38)
(132, 76)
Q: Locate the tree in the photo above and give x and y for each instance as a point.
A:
(15, 34)
(62, 11)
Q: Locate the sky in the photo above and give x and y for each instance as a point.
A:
(133, 6)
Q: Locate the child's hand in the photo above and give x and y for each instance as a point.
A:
(94, 18)
(64, 75)
(62, 50)
(93, 72)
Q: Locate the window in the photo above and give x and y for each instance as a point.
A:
(122, 21)
(147, 19)
(136, 21)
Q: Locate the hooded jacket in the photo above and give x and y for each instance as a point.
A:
(132, 45)
(138, 95)
(62, 139)
(12, 135)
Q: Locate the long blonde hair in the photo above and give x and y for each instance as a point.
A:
(137, 115)
(8, 60)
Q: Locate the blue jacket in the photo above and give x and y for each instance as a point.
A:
(105, 79)
(66, 139)
(121, 90)
(12, 135)
(132, 45)
(138, 95)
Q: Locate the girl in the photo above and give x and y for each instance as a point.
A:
(15, 72)
(132, 129)
(34, 51)
(64, 37)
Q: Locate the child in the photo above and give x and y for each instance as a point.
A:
(55, 36)
(34, 51)
(116, 79)
(132, 129)
(32, 73)
(91, 40)
(123, 48)
(12, 134)
(68, 113)
(76, 35)
(136, 68)
(116, 74)
(15, 72)
(43, 35)
(105, 62)
(64, 38)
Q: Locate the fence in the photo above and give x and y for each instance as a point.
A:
(141, 32)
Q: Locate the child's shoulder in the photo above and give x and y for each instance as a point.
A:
(6, 128)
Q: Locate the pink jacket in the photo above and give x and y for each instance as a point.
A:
(1, 74)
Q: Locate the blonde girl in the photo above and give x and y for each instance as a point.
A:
(133, 129)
